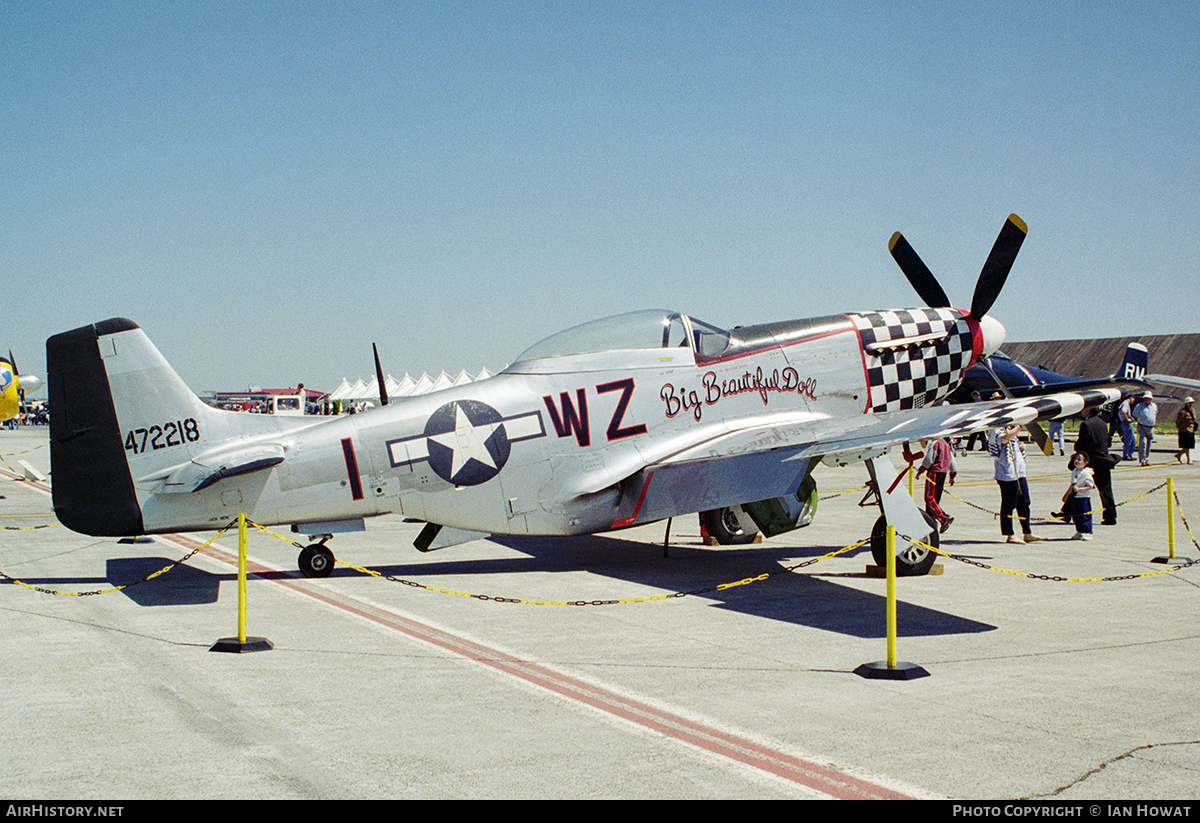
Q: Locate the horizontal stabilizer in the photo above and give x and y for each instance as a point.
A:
(1174, 380)
(208, 469)
(242, 468)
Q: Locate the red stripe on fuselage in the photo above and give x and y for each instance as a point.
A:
(628, 521)
(352, 469)
(862, 354)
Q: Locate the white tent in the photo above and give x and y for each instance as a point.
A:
(405, 387)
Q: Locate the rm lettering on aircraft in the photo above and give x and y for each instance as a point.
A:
(1134, 372)
(780, 382)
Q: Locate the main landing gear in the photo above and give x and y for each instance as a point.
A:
(726, 526)
(912, 560)
(316, 559)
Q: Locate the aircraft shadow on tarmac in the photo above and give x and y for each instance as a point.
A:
(799, 598)
(180, 586)
(805, 598)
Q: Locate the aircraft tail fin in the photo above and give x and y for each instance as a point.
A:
(118, 412)
(1133, 367)
(93, 488)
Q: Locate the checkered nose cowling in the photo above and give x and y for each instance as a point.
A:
(901, 376)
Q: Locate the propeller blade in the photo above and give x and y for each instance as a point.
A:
(1036, 433)
(918, 274)
(383, 398)
(12, 361)
(999, 263)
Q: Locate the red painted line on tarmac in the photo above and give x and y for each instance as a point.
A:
(742, 750)
(733, 747)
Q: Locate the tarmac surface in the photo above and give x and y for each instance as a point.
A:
(1047, 683)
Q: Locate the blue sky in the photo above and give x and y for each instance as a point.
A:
(268, 188)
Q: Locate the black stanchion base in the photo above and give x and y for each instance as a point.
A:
(880, 671)
(1165, 559)
(235, 646)
(132, 540)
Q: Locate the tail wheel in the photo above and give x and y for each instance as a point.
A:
(316, 561)
(911, 560)
(726, 526)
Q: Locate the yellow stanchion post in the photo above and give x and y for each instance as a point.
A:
(1171, 517)
(890, 669)
(242, 643)
(891, 589)
(1170, 558)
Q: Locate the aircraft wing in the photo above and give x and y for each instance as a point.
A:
(872, 432)
(771, 459)
(1076, 386)
(1172, 380)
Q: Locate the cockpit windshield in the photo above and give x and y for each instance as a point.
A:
(651, 329)
(709, 340)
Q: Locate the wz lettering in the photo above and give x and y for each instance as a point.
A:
(571, 417)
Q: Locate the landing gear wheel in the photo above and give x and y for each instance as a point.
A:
(911, 560)
(316, 561)
(725, 525)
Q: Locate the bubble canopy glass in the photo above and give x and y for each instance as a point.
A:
(649, 329)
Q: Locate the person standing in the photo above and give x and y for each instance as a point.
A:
(1080, 495)
(1128, 428)
(1008, 457)
(1056, 436)
(1093, 441)
(1146, 415)
(1185, 424)
(938, 465)
(976, 397)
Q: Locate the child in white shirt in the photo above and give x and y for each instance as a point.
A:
(1080, 494)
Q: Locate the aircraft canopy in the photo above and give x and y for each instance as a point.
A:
(650, 329)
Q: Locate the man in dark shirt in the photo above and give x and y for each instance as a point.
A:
(1093, 441)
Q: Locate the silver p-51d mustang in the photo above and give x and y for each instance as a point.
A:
(611, 424)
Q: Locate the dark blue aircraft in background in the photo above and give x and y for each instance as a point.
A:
(1020, 380)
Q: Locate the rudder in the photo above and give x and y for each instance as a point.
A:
(93, 489)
